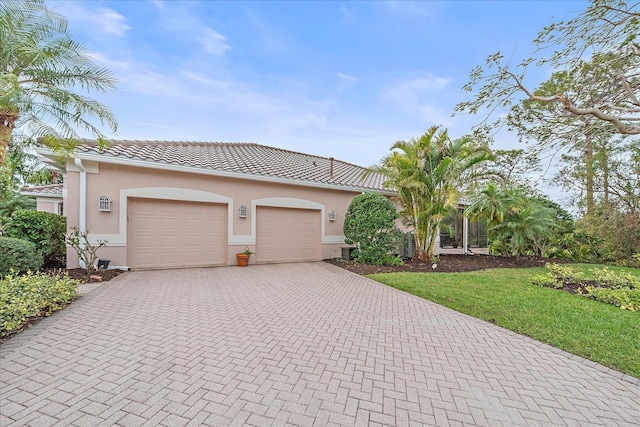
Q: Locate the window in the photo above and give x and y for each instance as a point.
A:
(478, 233)
(451, 230)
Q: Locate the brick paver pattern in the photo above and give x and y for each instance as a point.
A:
(292, 344)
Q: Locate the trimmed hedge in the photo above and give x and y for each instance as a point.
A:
(33, 295)
(44, 229)
(18, 255)
(370, 223)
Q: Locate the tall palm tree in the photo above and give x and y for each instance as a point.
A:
(425, 172)
(41, 70)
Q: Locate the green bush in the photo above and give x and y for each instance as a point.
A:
(32, 295)
(621, 289)
(370, 224)
(18, 255)
(625, 298)
(46, 230)
(557, 276)
(610, 279)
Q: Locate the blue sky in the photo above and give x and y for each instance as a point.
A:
(332, 78)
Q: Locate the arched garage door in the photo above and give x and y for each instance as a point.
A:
(173, 234)
(287, 235)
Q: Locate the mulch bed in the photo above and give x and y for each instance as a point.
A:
(447, 264)
(81, 274)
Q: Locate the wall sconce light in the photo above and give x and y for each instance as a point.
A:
(104, 204)
(243, 211)
(332, 215)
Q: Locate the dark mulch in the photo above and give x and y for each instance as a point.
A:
(81, 274)
(447, 264)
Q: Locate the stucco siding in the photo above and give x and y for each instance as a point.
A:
(122, 182)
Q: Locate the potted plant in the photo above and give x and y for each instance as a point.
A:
(243, 257)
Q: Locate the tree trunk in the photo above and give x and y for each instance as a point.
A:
(7, 121)
(604, 164)
(588, 152)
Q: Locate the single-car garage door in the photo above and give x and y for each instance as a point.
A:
(171, 234)
(287, 235)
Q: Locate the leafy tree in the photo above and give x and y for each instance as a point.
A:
(426, 173)
(370, 224)
(607, 33)
(41, 70)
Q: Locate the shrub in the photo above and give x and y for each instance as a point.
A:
(32, 295)
(557, 276)
(620, 289)
(44, 229)
(18, 255)
(609, 279)
(86, 251)
(370, 224)
(625, 298)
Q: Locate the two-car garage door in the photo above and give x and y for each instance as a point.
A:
(171, 234)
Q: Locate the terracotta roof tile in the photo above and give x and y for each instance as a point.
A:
(53, 190)
(245, 158)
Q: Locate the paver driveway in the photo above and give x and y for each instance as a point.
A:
(292, 344)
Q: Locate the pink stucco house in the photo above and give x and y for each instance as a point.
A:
(161, 204)
(187, 204)
(48, 197)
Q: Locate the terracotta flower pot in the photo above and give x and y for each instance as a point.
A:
(243, 259)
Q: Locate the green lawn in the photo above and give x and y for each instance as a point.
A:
(597, 331)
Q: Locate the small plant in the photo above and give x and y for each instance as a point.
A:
(609, 279)
(557, 276)
(625, 298)
(32, 295)
(87, 252)
(247, 251)
(620, 289)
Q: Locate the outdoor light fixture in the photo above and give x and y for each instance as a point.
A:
(104, 204)
(332, 215)
(243, 211)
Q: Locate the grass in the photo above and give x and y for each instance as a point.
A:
(590, 329)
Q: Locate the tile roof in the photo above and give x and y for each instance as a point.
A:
(53, 190)
(243, 158)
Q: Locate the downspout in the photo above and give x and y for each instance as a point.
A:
(82, 202)
(465, 234)
(82, 211)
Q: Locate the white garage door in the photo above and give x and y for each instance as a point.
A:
(287, 235)
(170, 234)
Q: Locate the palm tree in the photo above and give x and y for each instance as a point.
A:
(518, 222)
(41, 68)
(425, 172)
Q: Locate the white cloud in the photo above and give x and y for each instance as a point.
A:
(102, 20)
(295, 122)
(111, 22)
(111, 63)
(157, 3)
(213, 42)
(417, 95)
(409, 8)
(346, 81)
